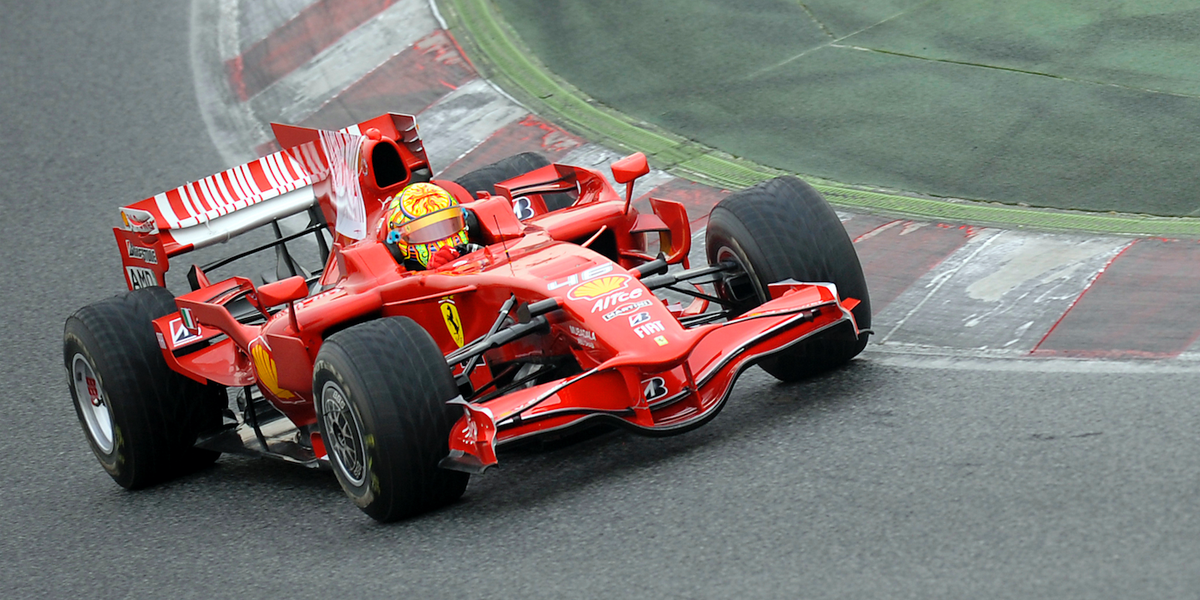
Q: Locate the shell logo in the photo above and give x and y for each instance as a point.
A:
(590, 290)
(267, 375)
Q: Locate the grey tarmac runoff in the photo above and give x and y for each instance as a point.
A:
(936, 285)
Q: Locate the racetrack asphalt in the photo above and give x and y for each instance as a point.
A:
(902, 476)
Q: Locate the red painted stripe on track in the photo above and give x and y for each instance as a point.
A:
(530, 134)
(407, 83)
(895, 256)
(1081, 295)
(297, 42)
(1146, 303)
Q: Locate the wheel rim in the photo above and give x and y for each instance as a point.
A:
(92, 403)
(343, 430)
(741, 287)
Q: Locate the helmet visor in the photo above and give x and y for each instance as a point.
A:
(432, 227)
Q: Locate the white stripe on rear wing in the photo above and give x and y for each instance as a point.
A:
(234, 201)
(238, 222)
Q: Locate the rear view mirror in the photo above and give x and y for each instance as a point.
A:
(627, 170)
(631, 167)
(282, 292)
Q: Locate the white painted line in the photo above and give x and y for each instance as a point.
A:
(878, 230)
(437, 14)
(212, 39)
(1043, 258)
(1005, 296)
(965, 360)
(1091, 280)
(940, 280)
(303, 91)
(258, 19)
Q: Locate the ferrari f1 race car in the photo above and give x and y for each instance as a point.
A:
(436, 326)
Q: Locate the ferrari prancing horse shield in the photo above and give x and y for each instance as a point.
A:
(453, 322)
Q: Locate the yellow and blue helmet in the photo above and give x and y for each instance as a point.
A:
(424, 218)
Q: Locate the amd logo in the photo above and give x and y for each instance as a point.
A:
(141, 277)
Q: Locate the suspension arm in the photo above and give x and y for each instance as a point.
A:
(666, 279)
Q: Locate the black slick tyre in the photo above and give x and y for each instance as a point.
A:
(140, 418)
(486, 178)
(784, 229)
(381, 389)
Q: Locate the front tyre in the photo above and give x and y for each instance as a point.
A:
(784, 229)
(140, 418)
(381, 389)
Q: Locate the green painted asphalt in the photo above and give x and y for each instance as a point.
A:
(889, 95)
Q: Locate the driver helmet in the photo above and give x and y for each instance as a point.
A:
(424, 218)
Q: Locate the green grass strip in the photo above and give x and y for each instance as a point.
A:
(499, 54)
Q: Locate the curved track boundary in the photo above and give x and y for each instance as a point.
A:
(500, 56)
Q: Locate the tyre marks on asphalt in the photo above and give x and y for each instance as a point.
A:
(1000, 292)
(898, 253)
(1145, 304)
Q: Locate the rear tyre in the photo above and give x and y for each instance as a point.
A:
(381, 389)
(140, 418)
(486, 178)
(784, 229)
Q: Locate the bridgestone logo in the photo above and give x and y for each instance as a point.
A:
(628, 308)
(144, 254)
(655, 388)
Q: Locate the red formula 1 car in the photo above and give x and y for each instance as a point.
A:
(406, 380)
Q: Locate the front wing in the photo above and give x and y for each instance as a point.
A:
(687, 394)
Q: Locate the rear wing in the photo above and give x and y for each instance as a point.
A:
(317, 172)
(232, 202)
